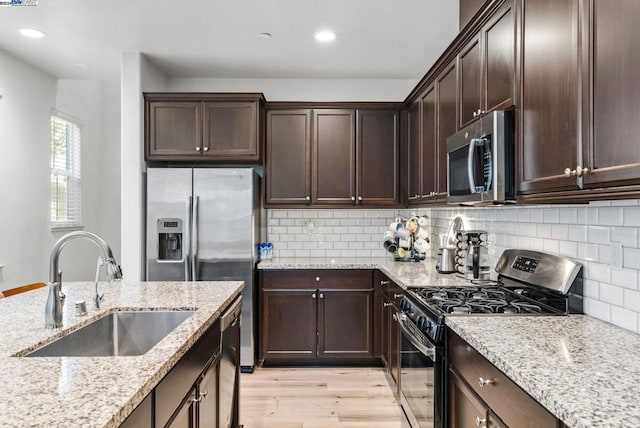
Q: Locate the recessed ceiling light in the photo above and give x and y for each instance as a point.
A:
(32, 32)
(325, 36)
(264, 35)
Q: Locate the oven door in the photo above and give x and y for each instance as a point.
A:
(421, 377)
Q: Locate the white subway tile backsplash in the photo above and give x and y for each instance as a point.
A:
(551, 215)
(632, 300)
(560, 231)
(536, 215)
(569, 215)
(598, 309)
(592, 215)
(624, 318)
(611, 216)
(612, 294)
(631, 258)
(551, 246)
(591, 288)
(543, 231)
(578, 233)
(569, 249)
(631, 216)
(627, 278)
(588, 252)
(599, 234)
(598, 272)
(627, 235)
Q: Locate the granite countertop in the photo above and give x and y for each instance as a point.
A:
(405, 274)
(583, 370)
(95, 391)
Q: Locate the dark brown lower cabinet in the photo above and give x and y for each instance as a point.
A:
(467, 410)
(316, 316)
(388, 329)
(476, 386)
(188, 395)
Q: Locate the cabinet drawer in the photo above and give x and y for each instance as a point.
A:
(317, 279)
(506, 399)
(180, 380)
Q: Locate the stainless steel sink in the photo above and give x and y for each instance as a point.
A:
(116, 334)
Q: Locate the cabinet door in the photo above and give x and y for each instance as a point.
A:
(288, 323)
(470, 78)
(395, 345)
(429, 160)
(185, 416)
(208, 393)
(344, 323)
(413, 135)
(499, 48)
(466, 410)
(378, 157)
(173, 129)
(614, 155)
(446, 107)
(386, 325)
(231, 130)
(550, 95)
(333, 181)
(288, 175)
(142, 416)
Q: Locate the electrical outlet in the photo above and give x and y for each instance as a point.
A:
(617, 255)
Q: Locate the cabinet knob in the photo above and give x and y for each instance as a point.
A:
(359, 198)
(206, 149)
(482, 382)
(386, 305)
(481, 422)
(568, 172)
(321, 296)
(317, 279)
(475, 114)
(384, 282)
(398, 296)
(197, 149)
(308, 198)
(580, 171)
(353, 198)
(313, 296)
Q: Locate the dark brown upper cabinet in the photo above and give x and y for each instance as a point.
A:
(487, 67)
(173, 129)
(613, 155)
(203, 127)
(432, 118)
(550, 112)
(231, 130)
(414, 152)
(333, 154)
(288, 157)
(446, 123)
(378, 157)
(333, 157)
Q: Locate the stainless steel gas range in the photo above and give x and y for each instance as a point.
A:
(529, 283)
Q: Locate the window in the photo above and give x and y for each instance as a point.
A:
(65, 171)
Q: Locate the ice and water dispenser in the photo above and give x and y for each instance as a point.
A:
(170, 233)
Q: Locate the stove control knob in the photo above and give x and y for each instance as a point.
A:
(404, 305)
(420, 322)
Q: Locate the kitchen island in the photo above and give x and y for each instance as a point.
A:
(95, 391)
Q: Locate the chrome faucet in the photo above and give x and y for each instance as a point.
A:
(55, 299)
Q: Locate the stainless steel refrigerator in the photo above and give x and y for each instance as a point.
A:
(203, 224)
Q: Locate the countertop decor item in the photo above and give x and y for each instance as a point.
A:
(407, 238)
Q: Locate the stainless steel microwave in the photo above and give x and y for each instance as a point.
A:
(481, 161)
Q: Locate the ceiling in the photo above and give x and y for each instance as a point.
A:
(377, 39)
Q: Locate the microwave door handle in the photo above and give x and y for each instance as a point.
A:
(470, 172)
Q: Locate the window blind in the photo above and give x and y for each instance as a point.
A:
(65, 172)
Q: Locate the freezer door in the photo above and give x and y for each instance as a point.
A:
(169, 207)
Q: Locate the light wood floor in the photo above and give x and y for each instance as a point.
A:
(318, 398)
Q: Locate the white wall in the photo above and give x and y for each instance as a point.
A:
(392, 90)
(96, 105)
(28, 94)
(138, 75)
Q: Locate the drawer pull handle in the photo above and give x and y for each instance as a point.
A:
(482, 382)
(384, 282)
(481, 422)
(397, 296)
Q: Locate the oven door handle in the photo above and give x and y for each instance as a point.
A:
(428, 351)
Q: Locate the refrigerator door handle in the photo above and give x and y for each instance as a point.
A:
(187, 259)
(194, 239)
